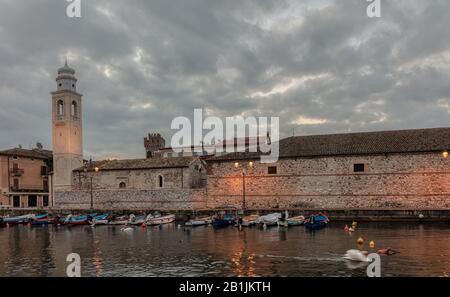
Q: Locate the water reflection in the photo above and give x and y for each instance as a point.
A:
(171, 251)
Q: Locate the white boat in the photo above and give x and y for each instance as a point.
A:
(137, 220)
(160, 220)
(99, 222)
(270, 219)
(199, 222)
(250, 220)
(294, 221)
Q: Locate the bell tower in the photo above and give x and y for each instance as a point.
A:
(67, 128)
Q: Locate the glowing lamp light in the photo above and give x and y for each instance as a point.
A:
(445, 155)
(250, 164)
(236, 164)
(96, 169)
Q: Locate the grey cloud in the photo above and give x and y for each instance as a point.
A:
(365, 74)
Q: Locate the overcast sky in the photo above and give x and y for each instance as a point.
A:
(322, 66)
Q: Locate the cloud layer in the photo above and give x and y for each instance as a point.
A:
(321, 66)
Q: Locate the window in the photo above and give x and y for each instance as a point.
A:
(360, 167)
(16, 201)
(160, 181)
(44, 171)
(16, 184)
(272, 170)
(45, 185)
(74, 109)
(45, 201)
(122, 185)
(32, 201)
(60, 108)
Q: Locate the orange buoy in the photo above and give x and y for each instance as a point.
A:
(360, 241)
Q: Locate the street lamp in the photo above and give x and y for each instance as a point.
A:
(91, 177)
(445, 154)
(245, 166)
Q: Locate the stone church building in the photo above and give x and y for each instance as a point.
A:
(407, 170)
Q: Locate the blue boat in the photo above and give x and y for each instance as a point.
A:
(101, 217)
(316, 222)
(78, 220)
(223, 221)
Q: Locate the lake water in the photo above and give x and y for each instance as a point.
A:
(202, 251)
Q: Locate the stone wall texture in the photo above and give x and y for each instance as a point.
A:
(389, 182)
(394, 181)
(165, 199)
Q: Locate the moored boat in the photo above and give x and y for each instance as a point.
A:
(18, 220)
(43, 221)
(293, 221)
(270, 219)
(137, 220)
(220, 221)
(160, 220)
(249, 221)
(123, 220)
(317, 221)
(198, 222)
(76, 220)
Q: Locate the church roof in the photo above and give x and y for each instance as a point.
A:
(365, 143)
(135, 164)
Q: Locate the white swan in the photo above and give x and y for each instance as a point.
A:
(357, 255)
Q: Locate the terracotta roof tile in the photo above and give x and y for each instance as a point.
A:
(132, 164)
(366, 143)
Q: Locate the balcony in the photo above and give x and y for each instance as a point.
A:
(17, 172)
(29, 189)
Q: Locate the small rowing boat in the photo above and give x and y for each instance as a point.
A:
(221, 221)
(160, 220)
(123, 220)
(316, 222)
(19, 220)
(294, 221)
(198, 222)
(249, 221)
(270, 219)
(137, 220)
(76, 220)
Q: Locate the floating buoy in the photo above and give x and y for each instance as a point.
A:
(346, 228)
(351, 230)
(360, 240)
(354, 224)
(421, 216)
(143, 226)
(372, 244)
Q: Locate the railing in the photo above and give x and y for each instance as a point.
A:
(29, 188)
(44, 171)
(17, 172)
